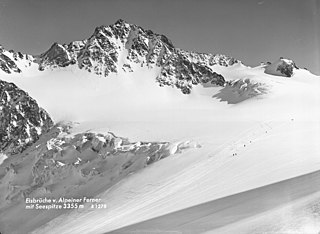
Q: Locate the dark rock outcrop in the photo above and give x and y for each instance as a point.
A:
(22, 121)
(9, 60)
(6, 64)
(281, 67)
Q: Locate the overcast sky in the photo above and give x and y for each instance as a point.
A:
(250, 30)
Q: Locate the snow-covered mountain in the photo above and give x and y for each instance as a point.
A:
(227, 128)
(122, 46)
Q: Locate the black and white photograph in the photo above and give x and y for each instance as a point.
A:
(159, 116)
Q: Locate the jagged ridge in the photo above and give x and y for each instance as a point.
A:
(9, 60)
(120, 46)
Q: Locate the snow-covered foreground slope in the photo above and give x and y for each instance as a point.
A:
(257, 130)
(265, 153)
(289, 206)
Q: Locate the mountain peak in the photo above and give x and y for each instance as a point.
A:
(56, 55)
(120, 21)
(124, 47)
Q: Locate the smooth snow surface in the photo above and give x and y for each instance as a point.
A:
(293, 203)
(264, 139)
(2, 158)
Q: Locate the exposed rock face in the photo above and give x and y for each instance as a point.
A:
(56, 55)
(6, 64)
(281, 67)
(9, 61)
(286, 68)
(180, 71)
(22, 121)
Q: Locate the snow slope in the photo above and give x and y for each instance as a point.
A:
(126, 98)
(273, 134)
(2, 158)
(292, 203)
(203, 175)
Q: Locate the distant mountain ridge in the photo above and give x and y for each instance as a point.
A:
(120, 47)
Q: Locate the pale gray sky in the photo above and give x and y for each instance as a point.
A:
(250, 30)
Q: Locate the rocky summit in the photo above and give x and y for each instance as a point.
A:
(124, 47)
